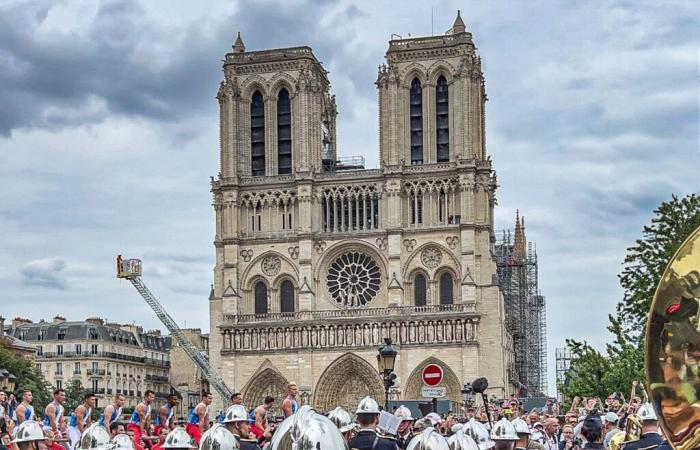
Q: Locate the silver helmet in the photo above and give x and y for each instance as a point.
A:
(218, 438)
(95, 437)
(482, 439)
(236, 413)
(428, 439)
(307, 429)
(122, 442)
(178, 438)
(403, 413)
(521, 426)
(29, 430)
(461, 441)
(367, 406)
(504, 431)
(341, 419)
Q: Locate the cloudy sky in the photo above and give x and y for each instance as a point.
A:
(108, 136)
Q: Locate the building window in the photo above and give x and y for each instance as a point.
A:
(95, 365)
(416, 199)
(284, 133)
(287, 297)
(76, 369)
(40, 351)
(419, 290)
(59, 349)
(42, 335)
(442, 125)
(416, 112)
(93, 349)
(93, 333)
(38, 367)
(257, 135)
(61, 334)
(94, 385)
(59, 384)
(78, 349)
(59, 368)
(260, 298)
(446, 287)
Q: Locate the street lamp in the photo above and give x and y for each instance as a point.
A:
(468, 395)
(386, 360)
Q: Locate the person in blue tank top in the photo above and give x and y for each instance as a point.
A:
(112, 411)
(25, 410)
(81, 418)
(164, 419)
(141, 417)
(289, 405)
(198, 420)
(54, 412)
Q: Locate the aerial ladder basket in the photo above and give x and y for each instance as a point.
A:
(130, 269)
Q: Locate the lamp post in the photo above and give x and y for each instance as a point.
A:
(468, 395)
(386, 360)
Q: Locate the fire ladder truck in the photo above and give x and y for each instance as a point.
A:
(130, 269)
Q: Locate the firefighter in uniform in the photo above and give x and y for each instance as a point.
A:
(651, 438)
(343, 421)
(404, 433)
(504, 435)
(367, 420)
(236, 421)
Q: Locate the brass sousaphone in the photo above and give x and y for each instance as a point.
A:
(672, 347)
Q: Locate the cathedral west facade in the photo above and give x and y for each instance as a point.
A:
(318, 260)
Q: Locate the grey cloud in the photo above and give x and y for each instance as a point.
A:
(47, 273)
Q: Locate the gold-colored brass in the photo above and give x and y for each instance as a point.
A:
(672, 347)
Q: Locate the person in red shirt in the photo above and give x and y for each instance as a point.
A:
(162, 434)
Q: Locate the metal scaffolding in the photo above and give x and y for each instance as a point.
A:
(525, 307)
(563, 359)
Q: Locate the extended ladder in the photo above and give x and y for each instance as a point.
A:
(130, 269)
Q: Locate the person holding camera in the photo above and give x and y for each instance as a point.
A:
(568, 440)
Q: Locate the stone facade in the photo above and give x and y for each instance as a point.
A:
(316, 263)
(185, 376)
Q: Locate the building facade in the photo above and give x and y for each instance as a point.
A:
(185, 377)
(318, 260)
(108, 359)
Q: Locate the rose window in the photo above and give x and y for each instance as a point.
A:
(353, 279)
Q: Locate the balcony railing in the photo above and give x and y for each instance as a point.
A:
(157, 378)
(131, 393)
(109, 391)
(100, 391)
(398, 311)
(95, 372)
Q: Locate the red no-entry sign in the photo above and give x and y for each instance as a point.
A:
(432, 375)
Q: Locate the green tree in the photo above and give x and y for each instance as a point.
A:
(28, 377)
(74, 394)
(593, 374)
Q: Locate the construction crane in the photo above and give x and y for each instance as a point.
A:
(130, 269)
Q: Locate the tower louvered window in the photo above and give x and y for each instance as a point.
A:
(442, 127)
(257, 135)
(416, 111)
(419, 290)
(260, 298)
(284, 133)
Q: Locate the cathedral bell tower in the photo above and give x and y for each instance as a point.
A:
(431, 100)
(276, 114)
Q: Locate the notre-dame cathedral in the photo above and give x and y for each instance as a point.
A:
(318, 259)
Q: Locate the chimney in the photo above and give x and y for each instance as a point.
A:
(95, 321)
(2, 326)
(19, 321)
(58, 319)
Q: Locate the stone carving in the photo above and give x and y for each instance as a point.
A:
(246, 254)
(410, 244)
(319, 246)
(271, 265)
(452, 242)
(353, 279)
(431, 257)
(381, 243)
(293, 252)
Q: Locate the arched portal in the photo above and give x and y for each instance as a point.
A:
(347, 381)
(267, 381)
(449, 381)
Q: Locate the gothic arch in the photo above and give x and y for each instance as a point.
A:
(345, 382)
(409, 280)
(267, 380)
(254, 83)
(440, 68)
(413, 70)
(282, 80)
(413, 261)
(449, 380)
(252, 270)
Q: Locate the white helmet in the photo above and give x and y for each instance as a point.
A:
(29, 430)
(218, 438)
(646, 412)
(504, 431)
(341, 419)
(428, 439)
(457, 427)
(236, 413)
(434, 418)
(521, 426)
(461, 441)
(403, 413)
(367, 406)
(95, 437)
(178, 438)
(482, 435)
(306, 429)
(122, 441)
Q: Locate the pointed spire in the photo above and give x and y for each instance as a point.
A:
(519, 239)
(238, 46)
(211, 293)
(458, 26)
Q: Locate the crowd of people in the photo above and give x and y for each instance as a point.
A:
(614, 424)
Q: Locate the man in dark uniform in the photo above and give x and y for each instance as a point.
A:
(650, 439)
(236, 421)
(404, 433)
(592, 430)
(367, 437)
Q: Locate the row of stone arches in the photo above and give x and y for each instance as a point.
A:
(343, 383)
